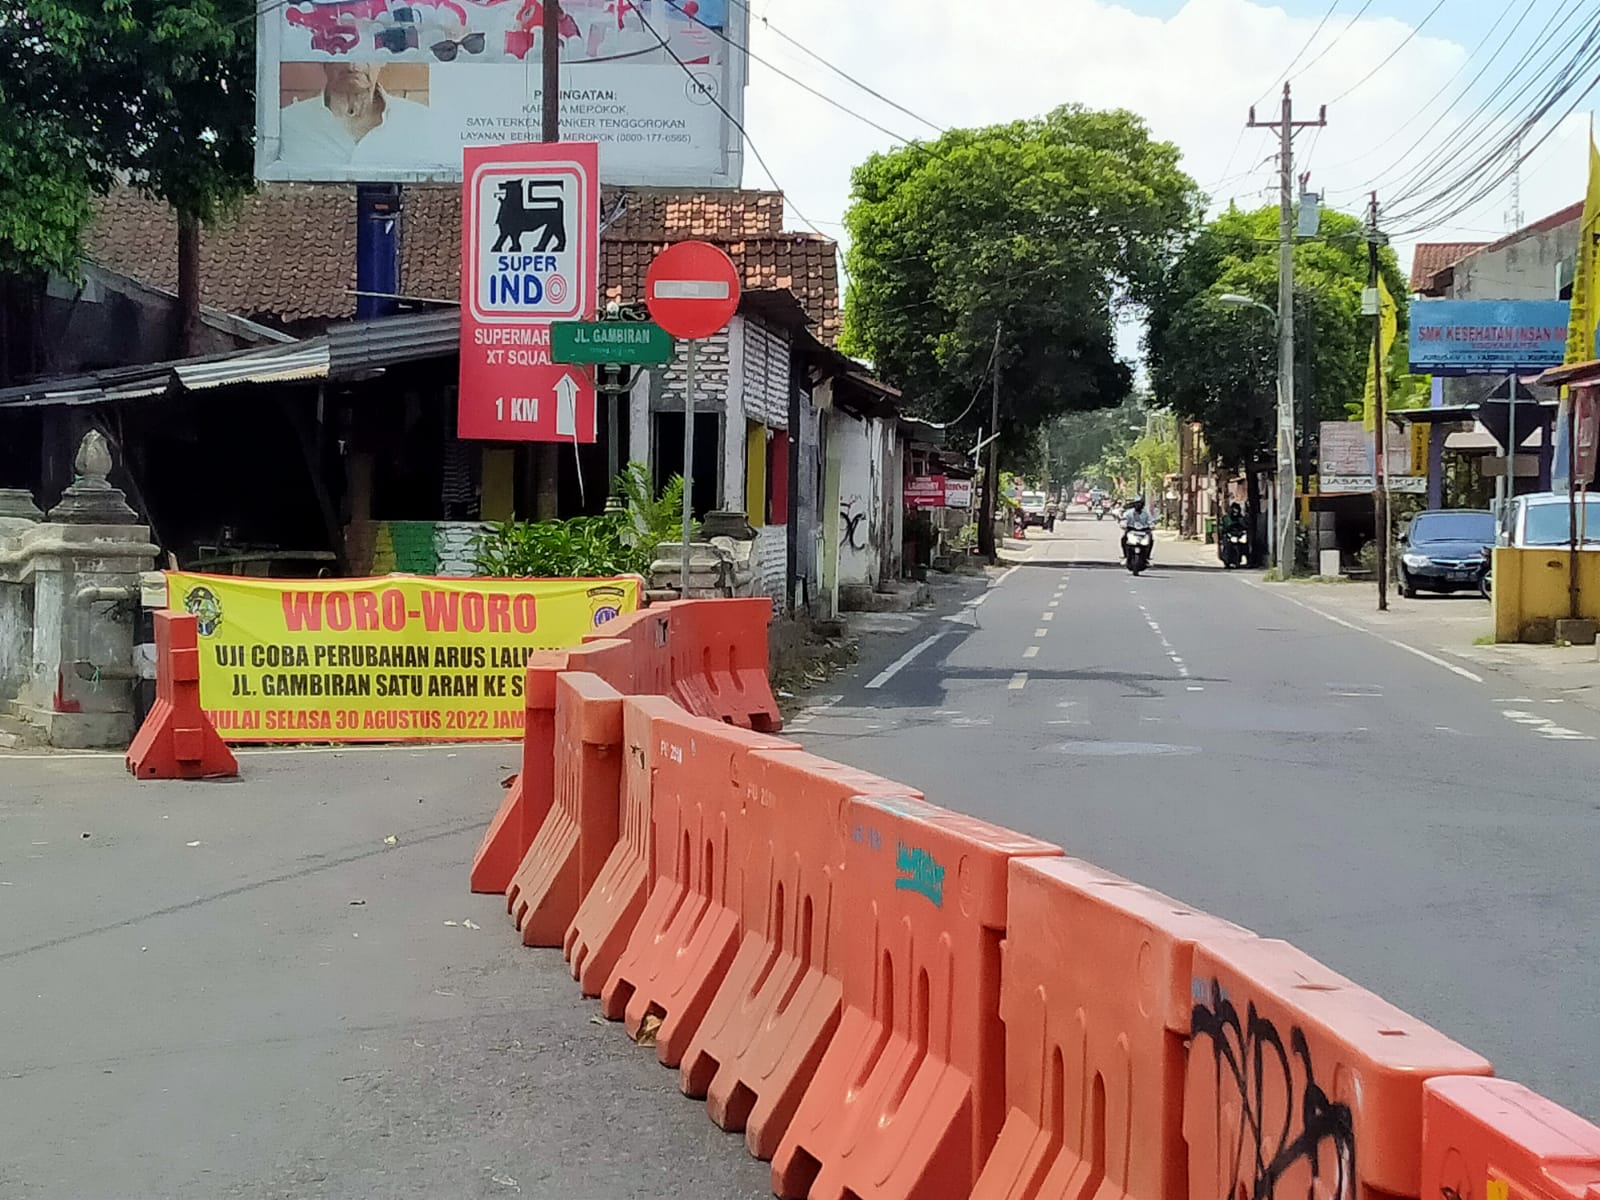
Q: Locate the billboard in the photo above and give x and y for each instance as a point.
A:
(392, 659)
(1487, 337)
(390, 91)
(1344, 460)
(530, 255)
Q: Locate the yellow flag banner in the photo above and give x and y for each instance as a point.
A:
(1580, 326)
(1388, 330)
(398, 658)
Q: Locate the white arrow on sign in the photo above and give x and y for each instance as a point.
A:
(567, 407)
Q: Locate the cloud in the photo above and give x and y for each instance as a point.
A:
(1193, 75)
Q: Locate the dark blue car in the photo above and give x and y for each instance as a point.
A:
(1442, 551)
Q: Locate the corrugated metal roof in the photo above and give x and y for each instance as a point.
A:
(364, 345)
(285, 364)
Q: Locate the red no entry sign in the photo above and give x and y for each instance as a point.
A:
(692, 289)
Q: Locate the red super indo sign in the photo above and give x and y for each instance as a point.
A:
(530, 255)
(692, 289)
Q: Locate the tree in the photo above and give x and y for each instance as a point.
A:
(157, 92)
(1038, 228)
(1218, 365)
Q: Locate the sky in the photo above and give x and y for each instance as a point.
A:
(1192, 69)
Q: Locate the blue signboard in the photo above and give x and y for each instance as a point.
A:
(1487, 337)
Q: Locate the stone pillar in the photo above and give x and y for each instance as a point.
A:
(84, 563)
(18, 514)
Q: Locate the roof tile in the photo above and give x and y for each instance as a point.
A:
(288, 253)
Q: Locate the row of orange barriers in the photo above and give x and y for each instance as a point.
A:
(897, 1002)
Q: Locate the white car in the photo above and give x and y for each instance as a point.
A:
(1545, 519)
(1034, 505)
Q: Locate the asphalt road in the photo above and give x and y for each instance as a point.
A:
(231, 990)
(245, 989)
(1429, 834)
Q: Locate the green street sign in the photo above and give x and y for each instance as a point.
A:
(635, 343)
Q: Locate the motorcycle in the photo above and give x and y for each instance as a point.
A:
(1486, 577)
(1235, 549)
(1100, 513)
(1136, 546)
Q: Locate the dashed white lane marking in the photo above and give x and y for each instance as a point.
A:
(1042, 632)
(1195, 687)
(1545, 727)
(1018, 682)
(1047, 614)
(894, 668)
(1031, 652)
(1398, 645)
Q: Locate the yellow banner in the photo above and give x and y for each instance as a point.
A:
(1586, 274)
(1378, 356)
(396, 658)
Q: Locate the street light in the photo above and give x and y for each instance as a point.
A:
(1284, 533)
(1234, 300)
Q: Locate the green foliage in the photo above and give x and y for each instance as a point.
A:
(576, 548)
(160, 93)
(618, 543)
(655, 519)
(1040, 226)
(1217, 364)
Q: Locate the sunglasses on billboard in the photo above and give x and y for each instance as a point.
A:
(446, 50)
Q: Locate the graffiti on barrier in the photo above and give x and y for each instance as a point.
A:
(1255, 1065)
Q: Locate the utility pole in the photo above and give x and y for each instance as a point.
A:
(991, 473)
(1286, 125)
(1380, 419)
(547, 455)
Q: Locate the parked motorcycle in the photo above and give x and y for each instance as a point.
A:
(1486, 578)
(1136, 546)
(1235, 549)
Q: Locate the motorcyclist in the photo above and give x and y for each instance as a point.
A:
(1134, 517)
(1232, 523)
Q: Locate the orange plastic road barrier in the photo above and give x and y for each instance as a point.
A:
(649, 632)
(685, 940)
(720, 661)
(581, 830)
(1491, 1139)
(526, 804)
(769, 1024)
(1300, 1083)
(910, 1096)
(606, 918)
(177, 739)
(529, 799)
(1094, 994)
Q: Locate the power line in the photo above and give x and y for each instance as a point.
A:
(839, 71)
(1404, 42)
(1284, 74)
(1321, 54)
(734, 121)
(1468, 129)
(779, 71)
(1465, 63)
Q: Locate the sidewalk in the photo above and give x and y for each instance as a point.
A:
(1452, 626)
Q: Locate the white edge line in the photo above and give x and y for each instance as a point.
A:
(1328, 616)
(1006, 574)
(894, 668)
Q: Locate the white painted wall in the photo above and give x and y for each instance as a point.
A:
(859, 509)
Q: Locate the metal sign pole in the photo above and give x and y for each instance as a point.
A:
(1511, 444)
(688, 465)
